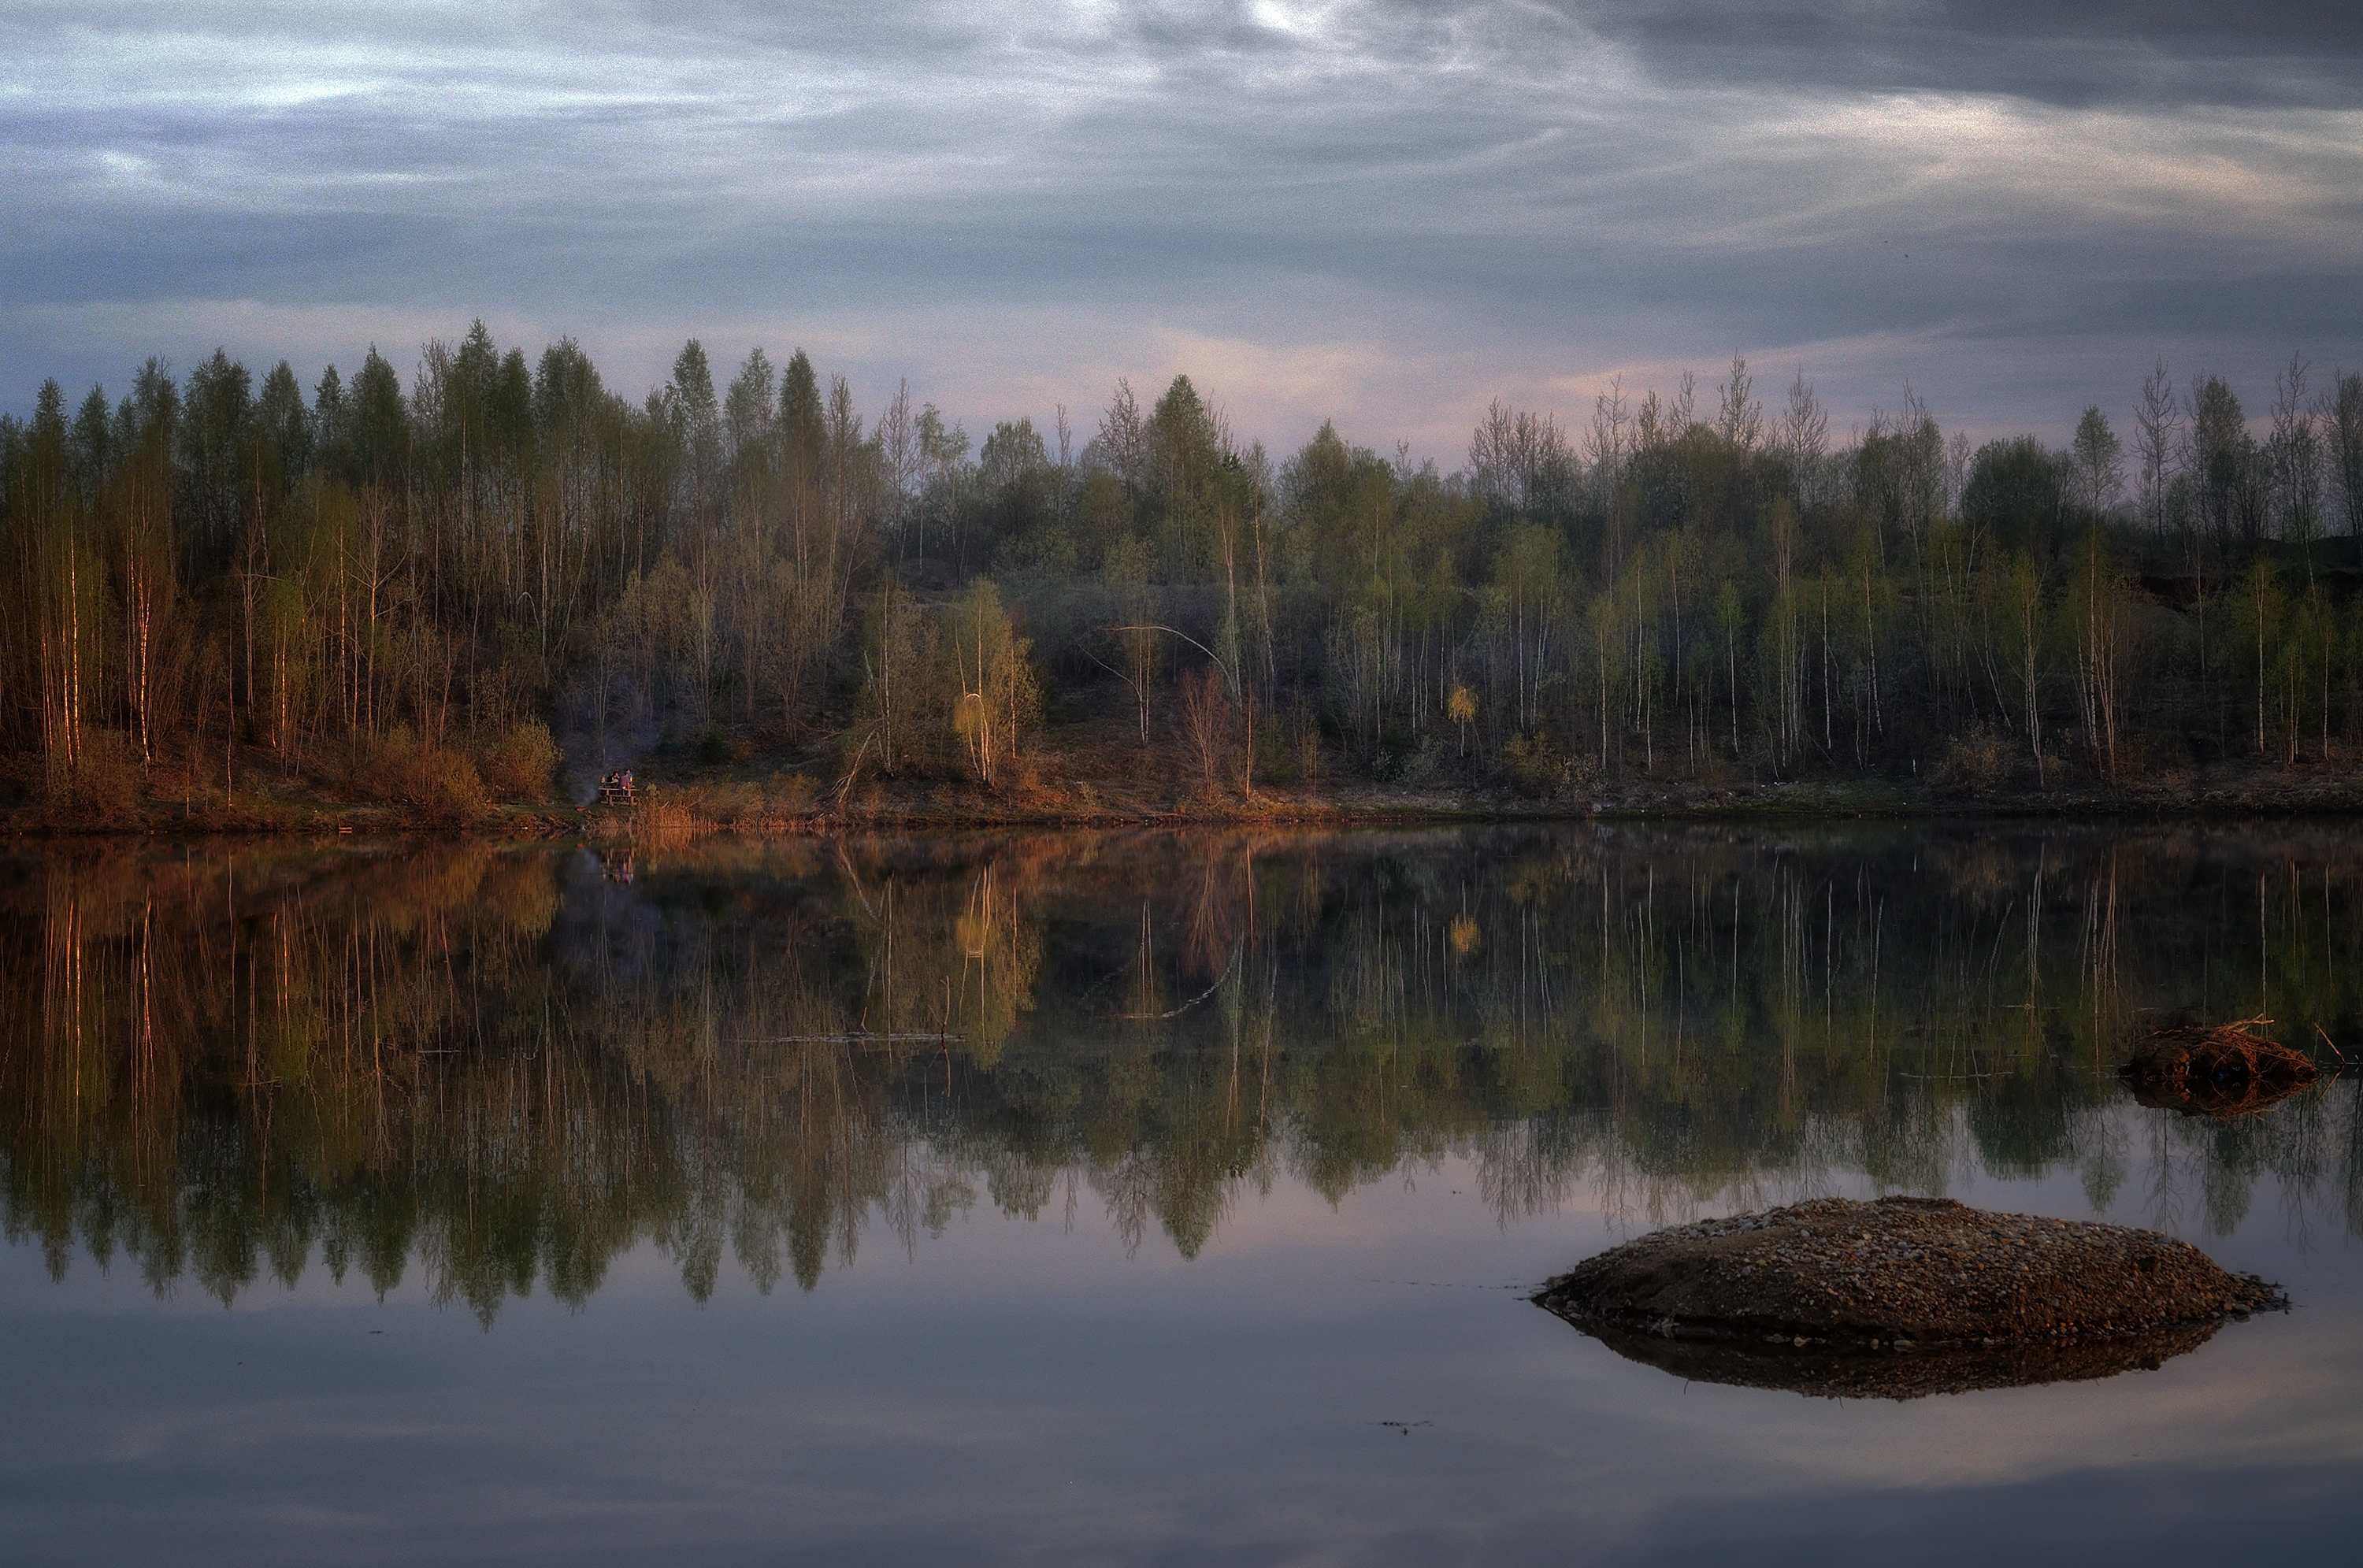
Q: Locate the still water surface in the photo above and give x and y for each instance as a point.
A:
(1124, 1198)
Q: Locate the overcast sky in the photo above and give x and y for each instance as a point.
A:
(1383, 210)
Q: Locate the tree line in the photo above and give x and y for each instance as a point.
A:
(450, 589)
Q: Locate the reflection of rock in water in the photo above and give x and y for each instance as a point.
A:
(1901, 1297)
(2223, 1072)
(1860, 1373)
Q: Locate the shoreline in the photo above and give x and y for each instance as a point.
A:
(677, 811)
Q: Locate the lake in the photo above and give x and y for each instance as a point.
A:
(1127, 1197)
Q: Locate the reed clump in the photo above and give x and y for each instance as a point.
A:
(2223, 1070)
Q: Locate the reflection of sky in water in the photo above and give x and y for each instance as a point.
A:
(1022, 1389)
(1015, 1389)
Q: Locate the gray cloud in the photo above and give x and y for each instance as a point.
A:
(2159, 53)
(1388, 211)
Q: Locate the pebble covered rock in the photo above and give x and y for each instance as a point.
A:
(2026, 1297)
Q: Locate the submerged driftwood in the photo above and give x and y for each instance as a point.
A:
(1902, 1297)
(2222, 1071)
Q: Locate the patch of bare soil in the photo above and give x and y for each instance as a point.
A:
(1902, 1297)
(2224, 1071)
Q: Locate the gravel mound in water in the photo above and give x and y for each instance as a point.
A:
(1900, 1298)
(2223, 1072)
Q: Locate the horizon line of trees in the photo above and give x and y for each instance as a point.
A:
(448, 591)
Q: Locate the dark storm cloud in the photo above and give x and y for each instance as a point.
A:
(1382, 209)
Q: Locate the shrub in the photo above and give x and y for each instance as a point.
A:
(103, 787)
(429, 781)
(1425, 765)
(519, 767)
(1977, 760)
(1302, 738)
(1536, 767)
(447, 787)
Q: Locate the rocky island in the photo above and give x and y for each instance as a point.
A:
(1901, 1297)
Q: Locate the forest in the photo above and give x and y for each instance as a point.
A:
(501, 577)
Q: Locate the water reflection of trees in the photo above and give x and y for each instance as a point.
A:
(500, 1067)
